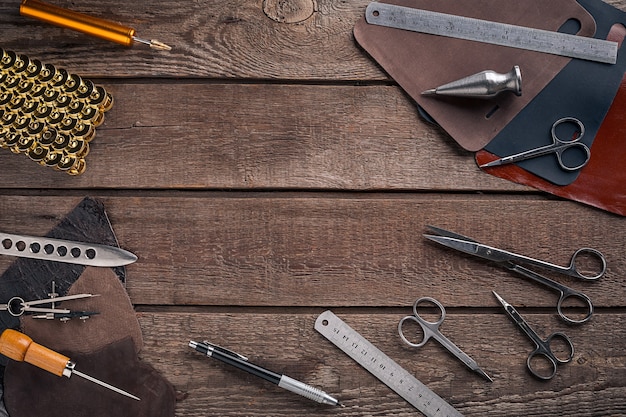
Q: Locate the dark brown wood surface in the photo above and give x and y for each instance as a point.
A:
(265, 170)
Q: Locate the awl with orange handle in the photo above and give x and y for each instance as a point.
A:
(19, 347)
(100, 28)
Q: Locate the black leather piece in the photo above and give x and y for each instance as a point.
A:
(583, 89)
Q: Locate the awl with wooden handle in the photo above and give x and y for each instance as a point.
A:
(19, 347)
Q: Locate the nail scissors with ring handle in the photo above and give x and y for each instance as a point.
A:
(431, 330)
(557, 147)
(543, 351)
(511, 261)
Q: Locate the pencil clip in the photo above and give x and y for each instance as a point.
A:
(225, 351)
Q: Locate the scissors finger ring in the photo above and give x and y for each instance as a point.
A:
(560, 145)
(543, 362)
(429, 328)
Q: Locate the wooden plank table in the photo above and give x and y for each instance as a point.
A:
(265, 170)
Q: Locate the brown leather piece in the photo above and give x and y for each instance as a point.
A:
(32, 392)
(418, 62)
(116, 319)
(602, 182)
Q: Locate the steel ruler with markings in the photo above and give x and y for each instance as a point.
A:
(383, 367)
(460, 27)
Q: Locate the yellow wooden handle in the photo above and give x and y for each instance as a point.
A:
(19, 347)
(100, 28)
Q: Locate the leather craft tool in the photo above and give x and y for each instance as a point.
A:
(512, 262)
(418, 61)
(55, 313)
(61, 250)
(431, 330)
(502, 34)
(558, 147)
(21, 348)
(17, 306)
(283, 381)
(543, 352)
(100, 28)
(485, 84)
(383, 367)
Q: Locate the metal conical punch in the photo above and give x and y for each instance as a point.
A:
(485, 84)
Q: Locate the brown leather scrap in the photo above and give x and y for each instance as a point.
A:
(32, 392)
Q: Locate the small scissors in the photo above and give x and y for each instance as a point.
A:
(543, 351)
(558, 147)
(511, 261)
(431, 329)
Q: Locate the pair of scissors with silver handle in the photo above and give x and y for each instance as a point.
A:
(543, 353)
(557, 147)
(512, 262)
(431, 330)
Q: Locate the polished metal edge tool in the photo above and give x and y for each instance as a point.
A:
(460, 27)
(61, 250)
(485, 84)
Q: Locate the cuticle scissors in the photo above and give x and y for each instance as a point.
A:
(557, 147)
(543, 347)
(512, 260)
(431, 330)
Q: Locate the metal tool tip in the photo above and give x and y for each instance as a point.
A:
(430, 92)
(341, 405)
(499, 298)
(484, 374)
(491, 164)
(154, 44)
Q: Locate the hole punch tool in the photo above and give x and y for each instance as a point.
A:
(61, 250)
(99, 28)
(21, 348)
(430, 329)
(543, 354)
(512, 262)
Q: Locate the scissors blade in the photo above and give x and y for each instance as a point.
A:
(474, 248)
(447, 233)
(510, 310)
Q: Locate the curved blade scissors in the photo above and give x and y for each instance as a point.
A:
(431, 330)
(512, 260)
(557, 147)
(543, 351)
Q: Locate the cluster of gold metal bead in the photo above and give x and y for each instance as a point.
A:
(47, 113)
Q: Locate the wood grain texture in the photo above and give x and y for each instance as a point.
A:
(203, 135)
(589, 385)
(342, 250)
(267, 169)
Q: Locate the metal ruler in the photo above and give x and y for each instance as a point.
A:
(383, 367)
(485, 31)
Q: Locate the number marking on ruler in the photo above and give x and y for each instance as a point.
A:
(383, 367)
(485, 31)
